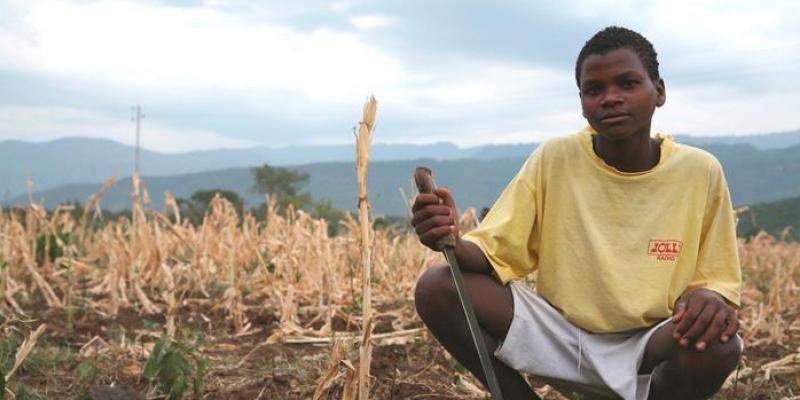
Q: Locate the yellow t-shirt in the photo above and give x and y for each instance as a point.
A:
(614, 250)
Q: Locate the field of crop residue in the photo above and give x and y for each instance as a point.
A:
(239, 308)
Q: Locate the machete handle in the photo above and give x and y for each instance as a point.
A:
(423, 178)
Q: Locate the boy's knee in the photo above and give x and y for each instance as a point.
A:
(728, 354)
(434, 286)
(707, 370)
(717, 357)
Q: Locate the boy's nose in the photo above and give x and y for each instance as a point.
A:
(612, 97)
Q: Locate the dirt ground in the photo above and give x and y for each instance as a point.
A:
(63, 366)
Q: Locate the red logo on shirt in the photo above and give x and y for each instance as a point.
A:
(665, 250)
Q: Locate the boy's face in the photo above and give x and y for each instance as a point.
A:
(618, 97)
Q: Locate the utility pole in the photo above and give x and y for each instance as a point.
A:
(137, 118)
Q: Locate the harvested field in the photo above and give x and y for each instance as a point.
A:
(272, 309)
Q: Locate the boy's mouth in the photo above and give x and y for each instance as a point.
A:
(614, 119)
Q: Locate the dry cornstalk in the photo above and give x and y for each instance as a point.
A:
(137, 219)
(363, 143)
(47, 290)
(94, 203)
(338, 353)
(25, 349)
(288, 323)
(171, 204)
(350, 389)
(390, 337)
(169, 299)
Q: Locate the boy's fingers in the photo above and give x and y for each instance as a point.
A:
(431, 237)
(446, 197)
(433, 222)
(731, 327)
(713, 331)
(683, 325)
(433, 217)
(679, 311)
(428, 212)
(700, 324)
(693, 310)
(431, 211)
(423, 200)
(448, 201)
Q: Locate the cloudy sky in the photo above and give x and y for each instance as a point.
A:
(234, 73)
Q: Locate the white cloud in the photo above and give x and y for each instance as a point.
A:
(341, 6)
(366, 22)
(38, 124)
(224, 53)
(720, 110)
(159, 48)
(488, 101)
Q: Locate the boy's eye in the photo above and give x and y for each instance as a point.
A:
(592, 90)
(628, 84)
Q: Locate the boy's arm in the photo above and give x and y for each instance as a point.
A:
(471, 258)
(706, 311)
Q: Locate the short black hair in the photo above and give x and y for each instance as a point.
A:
(617, 37)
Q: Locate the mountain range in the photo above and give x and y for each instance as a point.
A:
(85, 160)
(477, 175)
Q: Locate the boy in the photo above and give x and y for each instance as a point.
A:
(634, 242)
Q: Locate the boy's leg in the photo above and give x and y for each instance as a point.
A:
(439, 307)
(685, 373)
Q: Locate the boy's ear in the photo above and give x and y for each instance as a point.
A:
(661, 91)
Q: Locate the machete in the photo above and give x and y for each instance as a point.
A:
(424, 179)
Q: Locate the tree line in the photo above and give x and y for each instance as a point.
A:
(285, 185)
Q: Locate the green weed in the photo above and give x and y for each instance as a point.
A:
(176, 365)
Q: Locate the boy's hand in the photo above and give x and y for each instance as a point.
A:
(435, 217)
(702, 316)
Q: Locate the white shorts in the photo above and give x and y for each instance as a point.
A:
(544, 344)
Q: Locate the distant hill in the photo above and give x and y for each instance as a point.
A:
(84, 160)
(76, 160)
(475, 182)
(762, 141)
(753, 176)
(773, 217)
(491, 151)
(759, 175)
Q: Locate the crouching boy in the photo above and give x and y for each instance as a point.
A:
(633, 240)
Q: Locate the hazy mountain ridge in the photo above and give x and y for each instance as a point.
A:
(477, 183)
(83, 160)
(753, 176)
(766, 141)
(89, 160)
